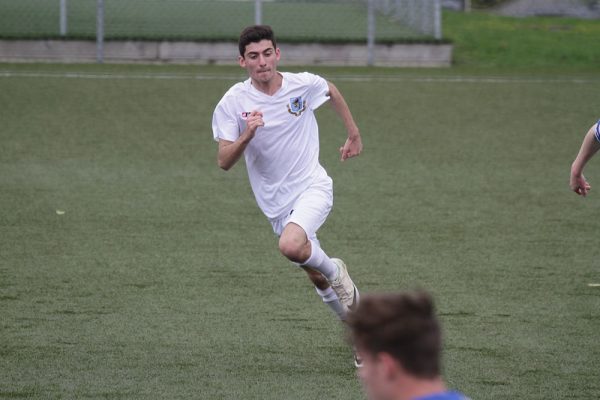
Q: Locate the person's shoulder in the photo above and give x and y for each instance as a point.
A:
(300, 78)
(235, 91)
(229, 101)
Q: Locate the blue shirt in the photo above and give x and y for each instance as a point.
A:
(451, 395)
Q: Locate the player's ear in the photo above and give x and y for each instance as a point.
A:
(389, 366)
(242, 61)
(277, 54)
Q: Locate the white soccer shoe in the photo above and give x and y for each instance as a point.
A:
(344, 287)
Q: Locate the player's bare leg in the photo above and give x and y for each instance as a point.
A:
(294, 244)
(329, 276)
(330, 298)
(297, 247)
(326, 293)
(317, 278)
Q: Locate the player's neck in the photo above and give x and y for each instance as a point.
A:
(414, 389)
(269, 87)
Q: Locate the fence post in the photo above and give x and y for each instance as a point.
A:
(100, 31)
(258, 12)
(371, 32)
(63, 17)
(437, 19)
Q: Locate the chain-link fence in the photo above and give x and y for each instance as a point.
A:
(292, 20)
(420, 17)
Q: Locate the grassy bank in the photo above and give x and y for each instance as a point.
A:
(486, 40)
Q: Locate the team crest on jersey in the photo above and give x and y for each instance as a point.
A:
(296, 106)
(245, 114)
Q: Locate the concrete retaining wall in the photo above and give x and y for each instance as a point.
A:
(397, 55)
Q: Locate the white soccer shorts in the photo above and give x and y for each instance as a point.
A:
(310, 210)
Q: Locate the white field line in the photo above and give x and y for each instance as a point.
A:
(108, 75)
(349, 78)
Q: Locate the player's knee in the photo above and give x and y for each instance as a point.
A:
(292, 249)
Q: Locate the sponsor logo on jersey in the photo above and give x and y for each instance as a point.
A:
(296, 106)
(246, 114)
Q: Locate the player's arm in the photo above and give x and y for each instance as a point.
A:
(353, 145)
(589, 147)
(230, 152)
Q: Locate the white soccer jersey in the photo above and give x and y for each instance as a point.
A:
(283, 157)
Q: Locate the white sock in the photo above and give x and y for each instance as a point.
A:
(321, 262)
(330, 298)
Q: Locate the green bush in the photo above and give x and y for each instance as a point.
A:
(486, 3)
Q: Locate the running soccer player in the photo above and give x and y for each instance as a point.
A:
(269, 118)
(398, 337)
(589, 147)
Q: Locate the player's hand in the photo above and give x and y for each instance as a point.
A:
(352, 147)
(579, 185)
(253, 122)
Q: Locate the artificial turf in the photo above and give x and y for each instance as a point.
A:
(132, 267)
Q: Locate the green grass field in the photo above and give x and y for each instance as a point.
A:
(131, 267)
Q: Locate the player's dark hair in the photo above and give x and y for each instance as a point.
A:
(254, 34)
(404, 325)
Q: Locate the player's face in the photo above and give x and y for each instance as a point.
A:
(260, 60)
(375, 377)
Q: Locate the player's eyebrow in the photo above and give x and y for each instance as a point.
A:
(253, 53)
